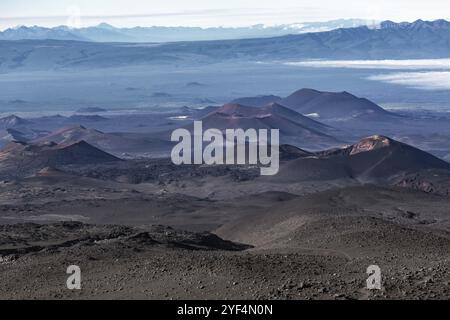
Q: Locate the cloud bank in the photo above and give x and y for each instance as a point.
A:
(434, 74)
(418, 80)
(428, 64)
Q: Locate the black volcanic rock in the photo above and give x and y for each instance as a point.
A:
(374, 159)
(30, 238)
(435, 181)
(20, 159)
(238, 110)
(73, 134)
(380, 156)
(79, 153)
(334, 105)
(282, 111)
(258, 101)
(288, 152)
(114, 143)
(274, 116)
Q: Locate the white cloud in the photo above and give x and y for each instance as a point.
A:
(432, 80)
(434, 73)
(427, 64)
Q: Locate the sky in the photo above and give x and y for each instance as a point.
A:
(211, 13)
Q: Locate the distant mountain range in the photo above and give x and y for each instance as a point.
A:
(415, 40)
(107, 33)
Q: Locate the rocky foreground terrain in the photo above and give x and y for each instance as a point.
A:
(119, 262)
(300, 247)
(142, 228)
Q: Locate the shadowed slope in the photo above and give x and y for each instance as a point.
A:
(375, 158)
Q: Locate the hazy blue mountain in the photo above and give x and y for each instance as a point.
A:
(415, 40)
(40, 33)
(419, 39)
(107, 33)
(416, 25)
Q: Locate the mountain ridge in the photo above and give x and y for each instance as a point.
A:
(360, 43)
(105, 32)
